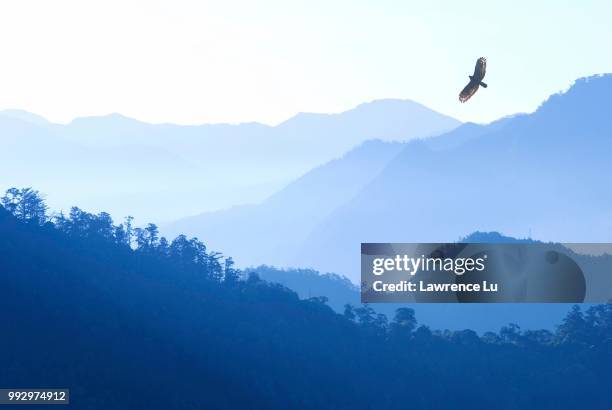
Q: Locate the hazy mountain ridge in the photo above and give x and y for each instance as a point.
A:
(520, 174)
(544, 172)
(274, 231)
(166, 171)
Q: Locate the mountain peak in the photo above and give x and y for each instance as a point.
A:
(585, 94)
(389, 102)
(383, 104)
(387, 119)
(113, 117)
(23, 115)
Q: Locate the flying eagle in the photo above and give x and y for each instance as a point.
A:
(475, 80)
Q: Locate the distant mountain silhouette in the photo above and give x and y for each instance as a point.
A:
(493, 237)
(70, 172)
(545, 173)
(387, 120)
(274, 231)
(166, 171)
(24, 116)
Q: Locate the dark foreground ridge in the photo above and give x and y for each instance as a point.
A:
(126, 319)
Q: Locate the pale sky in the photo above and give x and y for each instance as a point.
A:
(200, 61)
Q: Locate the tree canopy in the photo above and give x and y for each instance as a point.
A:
(128, 319)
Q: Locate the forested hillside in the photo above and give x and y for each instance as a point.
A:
(127, 319)
(340, 291)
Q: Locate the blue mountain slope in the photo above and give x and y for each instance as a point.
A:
(546, 173)
(539, 173)
(543, 174)
(273, 231)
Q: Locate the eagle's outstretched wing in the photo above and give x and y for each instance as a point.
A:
(475, 80)
(468, 91)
